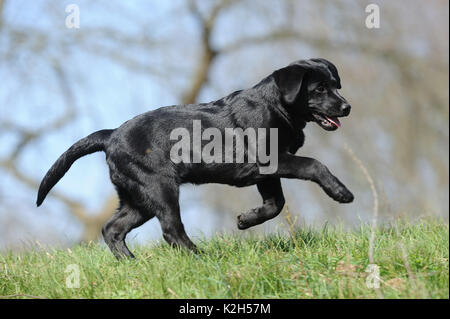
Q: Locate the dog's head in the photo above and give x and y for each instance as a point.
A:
(309, 91)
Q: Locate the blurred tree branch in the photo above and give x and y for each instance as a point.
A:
(116, 44)
(90, 222)
(2, 5)
(208, 54)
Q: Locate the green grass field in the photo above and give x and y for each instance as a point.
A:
(326, 263)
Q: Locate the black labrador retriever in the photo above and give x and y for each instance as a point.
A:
(147, 178)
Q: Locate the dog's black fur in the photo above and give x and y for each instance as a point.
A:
(147, 181)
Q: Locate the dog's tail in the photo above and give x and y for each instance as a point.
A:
(94, 142)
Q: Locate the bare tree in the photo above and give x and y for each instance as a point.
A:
(399, 123)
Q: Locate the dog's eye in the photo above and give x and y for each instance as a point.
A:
(321, 89)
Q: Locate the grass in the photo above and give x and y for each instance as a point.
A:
(326, 263)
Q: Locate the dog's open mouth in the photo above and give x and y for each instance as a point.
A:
(329, 123)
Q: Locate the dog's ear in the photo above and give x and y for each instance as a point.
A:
(333, 72)
(289, 81)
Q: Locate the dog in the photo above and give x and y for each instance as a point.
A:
(147, 180)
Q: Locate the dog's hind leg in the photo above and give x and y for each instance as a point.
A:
(119, 225)
(273, 202)
(165, 197)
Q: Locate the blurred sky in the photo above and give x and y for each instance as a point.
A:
(109, 105)
(111, 94)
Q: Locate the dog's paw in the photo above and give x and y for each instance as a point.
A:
(343, 195)
(197, 251)
(247, 219)
(337, 191)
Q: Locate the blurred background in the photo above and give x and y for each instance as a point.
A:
(59, 85)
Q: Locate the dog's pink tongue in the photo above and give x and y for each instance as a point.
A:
(335, 121)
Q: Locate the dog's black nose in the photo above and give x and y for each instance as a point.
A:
(345, 108)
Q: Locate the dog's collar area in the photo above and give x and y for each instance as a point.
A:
(284, 114)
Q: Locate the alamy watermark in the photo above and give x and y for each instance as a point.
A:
(373, 17)
(73, 17)
(373, 276)
(73, 276)
(237, 146)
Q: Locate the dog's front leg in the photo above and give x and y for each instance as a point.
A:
(291, 166)
(273, 202)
